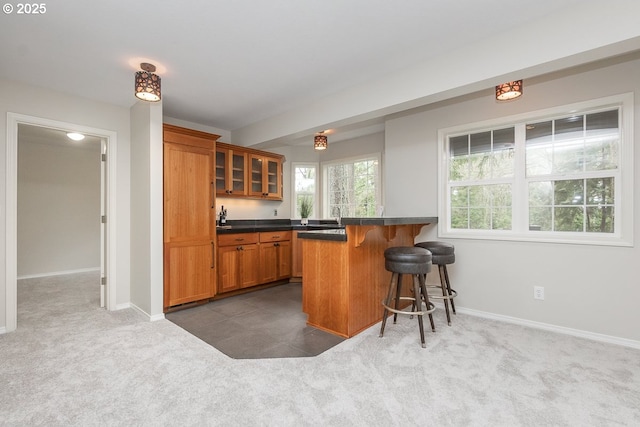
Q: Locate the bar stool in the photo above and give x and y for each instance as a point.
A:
(442, 253)
(417, 262)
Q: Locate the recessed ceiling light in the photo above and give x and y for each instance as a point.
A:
(75, 136)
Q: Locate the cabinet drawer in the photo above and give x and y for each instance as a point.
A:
(274, 236)
(237, 239)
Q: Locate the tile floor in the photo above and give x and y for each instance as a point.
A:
(264, 324)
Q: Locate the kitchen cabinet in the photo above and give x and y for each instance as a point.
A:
(251, 259)
(231, 171)
(238, 261)
(189, 216)
(246, 172)
(296, 255)
(265, 175)
(275, 256)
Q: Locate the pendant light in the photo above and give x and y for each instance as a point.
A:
(508, 91)
(147, 83)
(320, 141)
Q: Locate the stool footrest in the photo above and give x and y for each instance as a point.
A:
(430, 309)
(440, 296)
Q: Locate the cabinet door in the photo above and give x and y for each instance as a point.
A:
(222, 156)
(284, 259)
(296, 255)
(265, 176)
(273, 178)
(188, 193)
(189, 272)
(231, 172)
(249, 266)
(228, 268)
(257, 187)
(268, 262)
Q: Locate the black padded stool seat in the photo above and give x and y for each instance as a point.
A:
(442, 253)
(416, 262)
(407, 260)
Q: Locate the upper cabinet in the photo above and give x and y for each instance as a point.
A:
(266, 177)
(231, 171)
(245, 172)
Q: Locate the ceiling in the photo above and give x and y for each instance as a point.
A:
(230, 64)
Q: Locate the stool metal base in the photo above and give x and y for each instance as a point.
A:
(419, 294)
(448, 294)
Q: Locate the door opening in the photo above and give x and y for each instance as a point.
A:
(105, 216)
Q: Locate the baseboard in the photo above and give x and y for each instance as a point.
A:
(151, 318)
(58, 273)
(3, 330)
(552, 328)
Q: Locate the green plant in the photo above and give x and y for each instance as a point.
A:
(306, 206)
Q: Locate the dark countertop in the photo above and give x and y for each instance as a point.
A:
(341, 235)
(391, 220)
(253, 226)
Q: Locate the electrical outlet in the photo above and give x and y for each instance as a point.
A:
(275, 212)
(538, 292)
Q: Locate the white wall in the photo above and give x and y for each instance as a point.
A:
(225, 135)
(44, 103)
(588, 288)
(58, 208)
(146, 208)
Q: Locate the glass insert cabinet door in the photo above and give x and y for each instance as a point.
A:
(266, 176)
(231, 172)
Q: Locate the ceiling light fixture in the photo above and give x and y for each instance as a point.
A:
(75, 136)
(508, 91)
(148, 83)
(320, 141)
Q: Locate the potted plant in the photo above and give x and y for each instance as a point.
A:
(306, 207)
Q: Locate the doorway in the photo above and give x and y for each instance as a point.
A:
(106, 141)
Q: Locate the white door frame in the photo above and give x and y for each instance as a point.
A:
(11, 204)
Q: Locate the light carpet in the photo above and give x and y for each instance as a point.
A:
(72, 363)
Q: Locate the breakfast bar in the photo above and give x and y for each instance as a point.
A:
(343, 275)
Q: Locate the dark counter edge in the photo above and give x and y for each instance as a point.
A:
(341, 235)
(253, 226)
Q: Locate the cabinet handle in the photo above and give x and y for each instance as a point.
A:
(275, 237)
(239, 239)
(239, 248)
(276, 244)
(213, 255)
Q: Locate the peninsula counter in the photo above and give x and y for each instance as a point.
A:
(343, 276)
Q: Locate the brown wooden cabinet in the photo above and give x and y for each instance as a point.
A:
(296, 255)
(189, 216)
(265, 175)
(246, 172)
(275, 256)
(238, 261)
(231, 171)
(250, 259)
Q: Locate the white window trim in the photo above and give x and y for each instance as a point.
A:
(623, 190)
(323, 165)
(317, 209)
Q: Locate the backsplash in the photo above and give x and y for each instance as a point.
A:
(240, 209)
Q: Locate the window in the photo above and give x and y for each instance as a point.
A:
(558, 175)
(352, 187)
(304, 187)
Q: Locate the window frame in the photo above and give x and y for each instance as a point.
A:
(324, 177)
(316, 210)
(624, 176)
